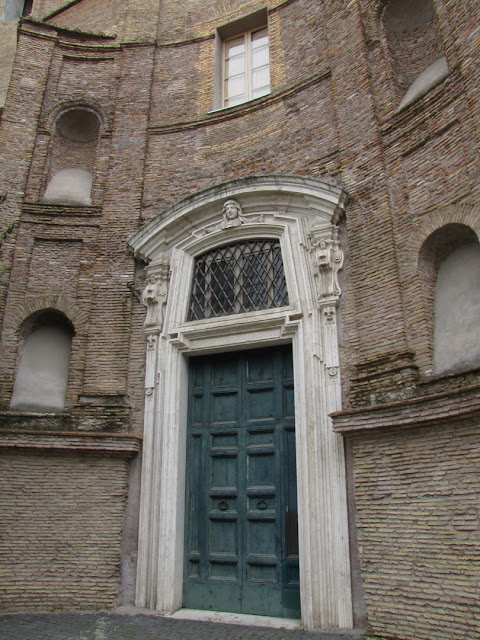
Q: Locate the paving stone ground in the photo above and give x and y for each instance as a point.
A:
(103, 626)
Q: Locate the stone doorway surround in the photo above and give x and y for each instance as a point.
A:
(302, 213)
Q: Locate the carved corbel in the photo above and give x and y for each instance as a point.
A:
(155, 298)
(151, 342)
(327, 260)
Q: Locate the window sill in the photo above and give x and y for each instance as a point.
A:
(444, 89)
(241, 105)
(123, 445)
(240, 329)
(50, 209)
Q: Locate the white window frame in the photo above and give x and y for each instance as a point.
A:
(248, 69)
(247, 24)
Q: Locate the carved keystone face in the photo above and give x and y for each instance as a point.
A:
(231, 210)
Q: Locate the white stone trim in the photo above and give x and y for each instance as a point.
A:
(298, 211)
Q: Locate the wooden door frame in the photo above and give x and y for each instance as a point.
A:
(302, 213)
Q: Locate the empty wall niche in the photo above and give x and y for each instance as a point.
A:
(451, 258)
(14, 9)
(415, 48)
(42, 375)
(73, 157)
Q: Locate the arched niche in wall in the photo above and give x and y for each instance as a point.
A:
(415, 48)
(14, 9)
(42, 375)
(450, 260)
(73, 157)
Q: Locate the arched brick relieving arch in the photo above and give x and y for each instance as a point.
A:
(60, 303)
(466, 213)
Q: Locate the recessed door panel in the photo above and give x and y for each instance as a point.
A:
(241, 542)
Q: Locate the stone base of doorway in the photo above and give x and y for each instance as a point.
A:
(243, 619)
(224, 617)
(214, 616)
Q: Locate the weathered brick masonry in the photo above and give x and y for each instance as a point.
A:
(339, 71)
(61, 527)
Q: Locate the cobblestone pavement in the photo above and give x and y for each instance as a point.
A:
(106, 626)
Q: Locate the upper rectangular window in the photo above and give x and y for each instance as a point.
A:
(246, 67)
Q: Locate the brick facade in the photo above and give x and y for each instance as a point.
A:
(338, 74)
(61, 526)
(418, 530)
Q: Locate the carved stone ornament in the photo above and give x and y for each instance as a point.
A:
(151, 342)
(233, 216)
(155, 298)
(327, 260)
(329, 314)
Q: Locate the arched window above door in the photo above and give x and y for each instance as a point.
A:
(237, 278)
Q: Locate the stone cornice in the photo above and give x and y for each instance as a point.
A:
(450, 406)
(34, 28)
(230, 113)
(61, 210)
(120, 444)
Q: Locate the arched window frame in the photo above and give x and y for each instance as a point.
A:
(86, 161)
(422, 81)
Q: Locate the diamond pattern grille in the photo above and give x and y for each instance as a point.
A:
(241, 277)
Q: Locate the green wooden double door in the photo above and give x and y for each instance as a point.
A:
(241, 539)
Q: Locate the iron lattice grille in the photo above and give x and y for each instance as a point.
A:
(241, 277)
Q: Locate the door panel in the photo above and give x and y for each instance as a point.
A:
(241, 543)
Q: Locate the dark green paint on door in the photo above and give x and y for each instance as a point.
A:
(241, 540)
